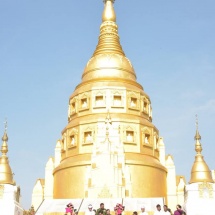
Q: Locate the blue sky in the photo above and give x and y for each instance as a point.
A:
(45, 45)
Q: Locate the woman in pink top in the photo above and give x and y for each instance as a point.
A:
(179, 211)
(69, 209)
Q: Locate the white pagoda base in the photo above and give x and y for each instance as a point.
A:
(8, 200)
(200, 199)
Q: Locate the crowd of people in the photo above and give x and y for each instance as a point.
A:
(119, 209)
(159, 211)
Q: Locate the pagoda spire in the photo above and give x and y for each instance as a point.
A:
(4, 148)
(6, 175)
(197, 138)
(200, 171)
(108, 38)
(108, 61)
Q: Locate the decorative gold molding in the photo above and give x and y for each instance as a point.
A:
(84, 102)
(105, 193)
(72, 107)
(117, 99)
(205, 190)
(129, 135)
(145, 105)
(72, 138)
(99, 99)
(146, 135)
(88, 136)
(133, 100)
(156, 139)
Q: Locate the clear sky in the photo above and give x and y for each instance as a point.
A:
(45, 45)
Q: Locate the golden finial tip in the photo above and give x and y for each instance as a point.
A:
(109, 13)
(108, 0)
(5, 137)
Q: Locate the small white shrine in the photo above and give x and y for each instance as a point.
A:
(200, 192)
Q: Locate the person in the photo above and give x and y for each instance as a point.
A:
(69, 209)
(165, 210)
(134, 213)
(119, 209)
(90, 210)
(158, 211)
(169, 211)
(178, 211)
(115, 211)
(143, 212)
(108, 212)
(101, 210)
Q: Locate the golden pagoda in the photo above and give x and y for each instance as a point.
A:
(200, 192)
(110, 148)
(9, 192)
(109, 87)
(200, 171)
(6, 175)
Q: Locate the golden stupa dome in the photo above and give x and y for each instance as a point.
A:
(200, 171)
(6, 175)
(109, 60)
(109, 66)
